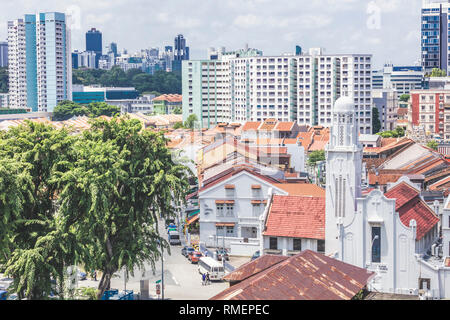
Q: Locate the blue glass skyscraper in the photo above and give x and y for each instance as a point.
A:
(94, 43)
(435, 35)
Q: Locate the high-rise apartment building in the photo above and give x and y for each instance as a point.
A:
(40, 61)
(301, 88)
(3, 54)
(435, 29)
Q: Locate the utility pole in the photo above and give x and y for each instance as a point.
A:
(162, 271)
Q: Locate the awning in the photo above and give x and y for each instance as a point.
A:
(256, 186)
(194, 213)
(259, 201)
(225, 224)
(193, 219)
(229, 186)
(224, 201)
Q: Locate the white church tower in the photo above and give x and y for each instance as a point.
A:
(343, 175)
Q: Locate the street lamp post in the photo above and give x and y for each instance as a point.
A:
(162, 271)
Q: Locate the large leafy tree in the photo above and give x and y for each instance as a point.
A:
(37, 250)
(123, 178)
(68, 109)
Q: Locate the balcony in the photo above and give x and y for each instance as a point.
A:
(272, 251)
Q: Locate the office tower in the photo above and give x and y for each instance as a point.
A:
(75, 58)
(286, 88)
(298, 50)
(94, 44)
(181, 53)
(113, 48)
(435, 31)
(94, 41)
(3, 54)
(154, 52)
(168, 48)
(40, 61)
(401, 78)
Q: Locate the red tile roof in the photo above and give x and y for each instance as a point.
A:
(301, 189)
(169, 98)
(253, 267)
(284, 126)
(306, 276)
(296, 217)
(251, 126)
(410, 206)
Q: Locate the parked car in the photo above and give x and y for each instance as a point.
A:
(186, 250)
(256, 255)
(219, 253)
(82, 275)
(195, 256)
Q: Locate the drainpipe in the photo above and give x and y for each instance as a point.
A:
(262, 221)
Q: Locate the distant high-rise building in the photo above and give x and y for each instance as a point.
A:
(40, 61)
(94, 43)
(245, 86)
(401, 78)
(298, 50)
(435, 39)
(3, 54)
(113, 48)
(181, 52)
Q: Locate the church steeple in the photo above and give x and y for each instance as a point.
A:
(343, 182)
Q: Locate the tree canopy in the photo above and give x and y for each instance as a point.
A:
(397, 133)
(90, 199)
(161, 81)
(432, 144)
(404, 97)
(68, 109)
(316, 156)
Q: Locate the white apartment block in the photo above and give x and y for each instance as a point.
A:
(299, 88)
(40, 63)
(17, 64)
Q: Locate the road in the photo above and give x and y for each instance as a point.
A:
(182, 279)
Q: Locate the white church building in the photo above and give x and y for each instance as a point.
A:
(396, 234)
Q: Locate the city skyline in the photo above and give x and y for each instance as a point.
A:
(379, 27)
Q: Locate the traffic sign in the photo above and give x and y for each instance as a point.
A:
(158, 281)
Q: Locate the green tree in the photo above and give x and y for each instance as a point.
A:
(4, 80)
(404, 97)
(376, 124)
(177, 110)
(121, 174)
(67, 109)
(178, 125)
(432, 144)
(97, 109)
(191, 122)
(316, 156)
(39, 250)
(436, 72)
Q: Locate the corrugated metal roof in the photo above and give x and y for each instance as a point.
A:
(306, 276)
(253, 267)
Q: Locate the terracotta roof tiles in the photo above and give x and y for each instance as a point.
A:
(296, 217)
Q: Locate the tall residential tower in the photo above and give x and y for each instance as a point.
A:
(40, 61)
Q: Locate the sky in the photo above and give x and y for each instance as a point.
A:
(388, 29)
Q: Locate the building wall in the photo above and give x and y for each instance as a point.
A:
(431, 109)
(244, 215)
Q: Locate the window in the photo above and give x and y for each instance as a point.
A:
(230, 209)
(297, 244)
(376, 244)
(230, 231)
(220, 211)
(256, 210)
(321, 246)
(273, 245)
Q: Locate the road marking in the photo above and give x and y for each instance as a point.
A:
(175, 280)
